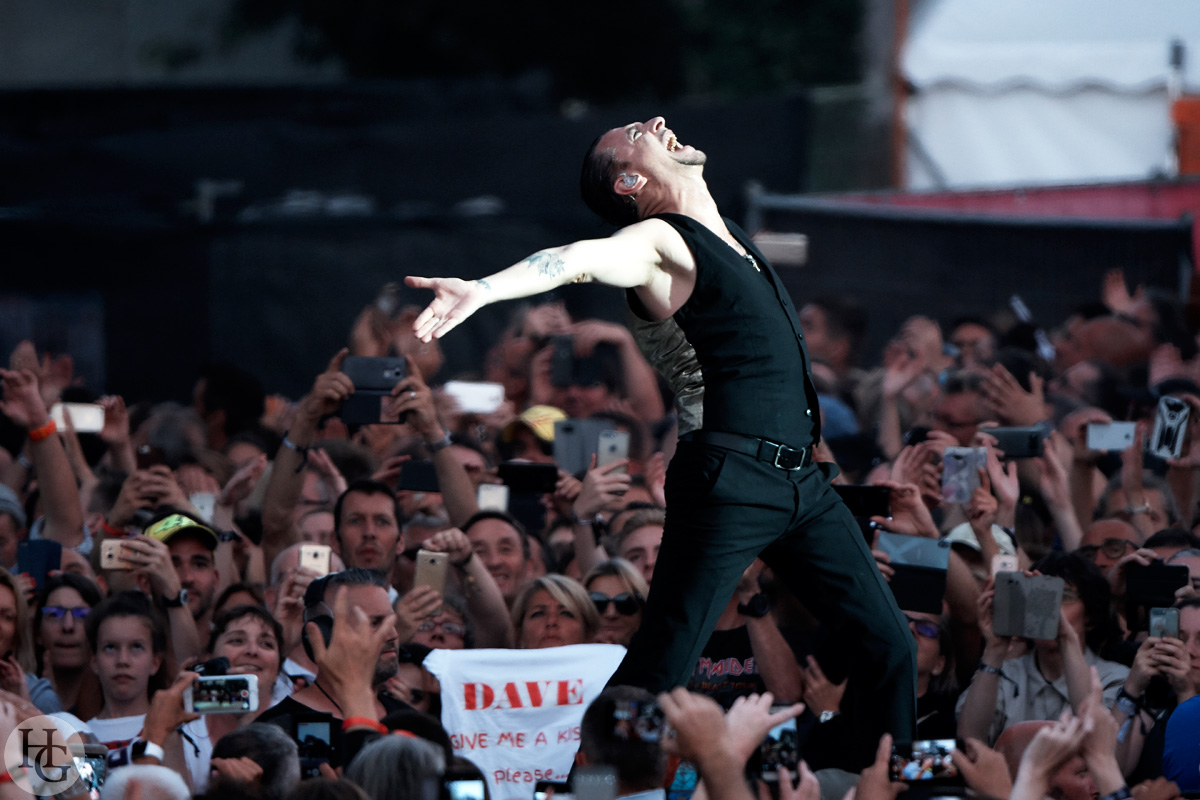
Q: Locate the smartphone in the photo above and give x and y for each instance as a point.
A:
(960, 472)
(1111, 437)
(528, 478)
(1154, 585)
(1027, 605)
(317, 744)
(636, 721)
(466, 789)
(1170, 428)
(91, 763)
(612, 446)
(924, 760)
(1025, 442)
(418, 476)
(865, 501)
(918, 570)
(110, 555)
(594, 782)
(149, 456)
(562, 360)
(205, 503)
(492, 497)
(545, 790)
(431, 571)
(316, 557)
(222, 694)
(373, 377)
(780, 748)
(575, 440)
(475, 397)
(37, 558)
(1164, 622)
(85, 417)
(1003, 563)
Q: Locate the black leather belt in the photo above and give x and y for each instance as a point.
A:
(777, 455)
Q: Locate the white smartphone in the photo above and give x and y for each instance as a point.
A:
(613, 446)
(316, 557)
(222, 694)
(1113, 436)
(85, 417)
(205, 503)
(492, 497)
(475, 397)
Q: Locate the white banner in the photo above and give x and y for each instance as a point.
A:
(515, 713)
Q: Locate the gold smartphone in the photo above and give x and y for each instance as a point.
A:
(110, 555)
(431, 571)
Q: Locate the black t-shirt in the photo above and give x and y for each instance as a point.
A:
(318, 734)
(726, 669)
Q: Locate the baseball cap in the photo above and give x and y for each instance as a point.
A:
(539, 419)
(962, 534)
(11, 504)
(168, 528)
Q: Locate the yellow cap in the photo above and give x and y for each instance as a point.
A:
(167, 528)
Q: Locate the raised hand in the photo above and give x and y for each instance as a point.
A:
(454, 300)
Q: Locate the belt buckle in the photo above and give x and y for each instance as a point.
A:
(779, 453)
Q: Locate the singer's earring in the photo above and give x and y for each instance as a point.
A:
(629, 182)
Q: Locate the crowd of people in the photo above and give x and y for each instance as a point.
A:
(260, 557)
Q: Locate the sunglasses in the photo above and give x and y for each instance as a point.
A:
(930, 630)
(58, 612)
(627, 604)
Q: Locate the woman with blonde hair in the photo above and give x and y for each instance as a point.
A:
(618, 591)
(552, 611)
(17, 665)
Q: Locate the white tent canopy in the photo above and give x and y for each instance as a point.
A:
(1027, 92)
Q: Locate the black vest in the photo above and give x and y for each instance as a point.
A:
(747, 339)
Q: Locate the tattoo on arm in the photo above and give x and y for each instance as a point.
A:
(484, 284)
(547, 264)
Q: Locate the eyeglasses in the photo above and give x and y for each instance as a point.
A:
(58, 612)
(451, 628)
(1115, 548)
(923, 627)
(627, 604)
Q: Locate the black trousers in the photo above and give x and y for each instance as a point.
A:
(724, 509)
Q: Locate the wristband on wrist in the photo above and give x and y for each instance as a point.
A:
(297, 449)
(575, 520)
(143, 749)
(1120, 794)
(364, 722)
(439, 445)
(44, 432)
(109, 530)
(988, 669)
(461, 564)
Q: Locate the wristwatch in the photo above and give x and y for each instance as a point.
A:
(758, 607)
(176, 602)
(140, 749)
(827, 715)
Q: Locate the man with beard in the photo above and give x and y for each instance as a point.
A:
(715, 319)
(318, 707)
